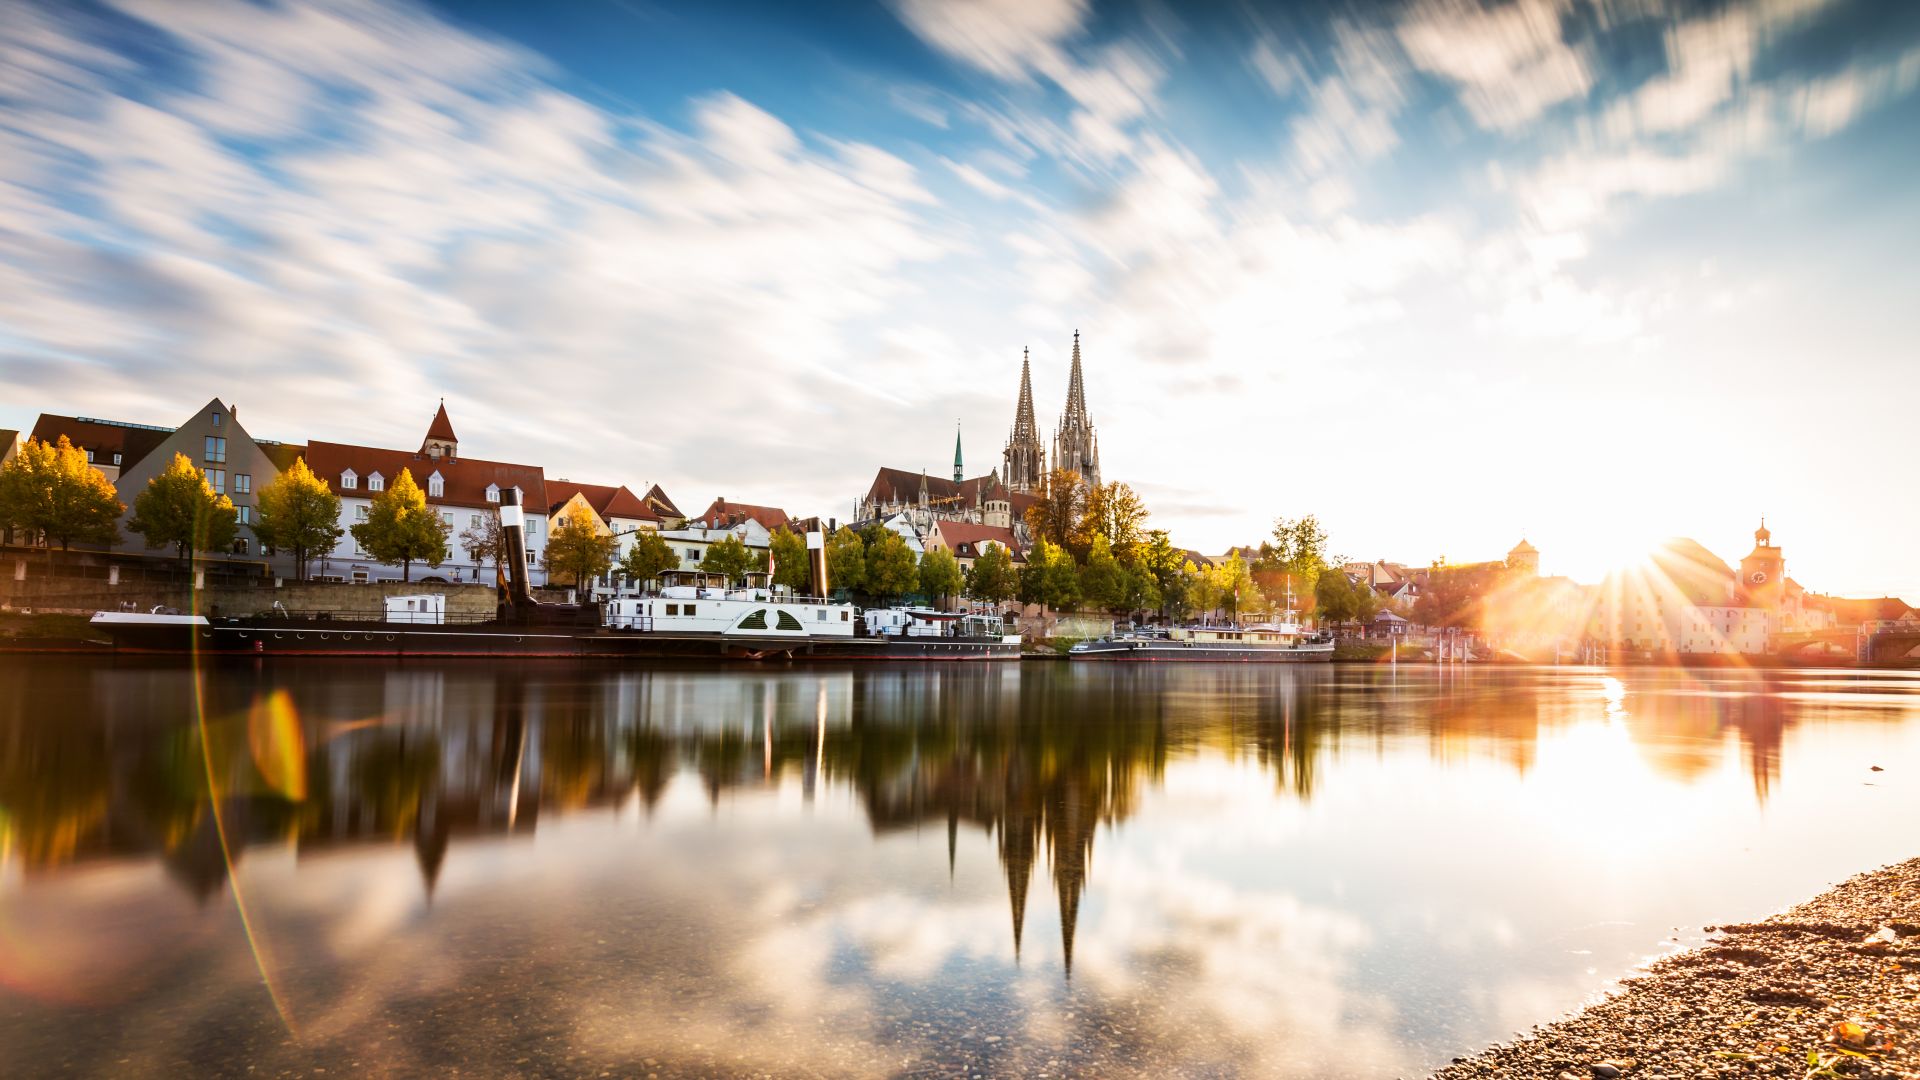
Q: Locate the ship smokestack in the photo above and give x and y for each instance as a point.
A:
(513, 538)
(817, 563)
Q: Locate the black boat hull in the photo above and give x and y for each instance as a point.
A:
(1180, 652)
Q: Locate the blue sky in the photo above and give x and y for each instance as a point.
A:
(1442, 272)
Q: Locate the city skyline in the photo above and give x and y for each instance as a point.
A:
(1443, 276)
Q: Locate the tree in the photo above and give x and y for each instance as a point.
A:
(401, 528)
(50, 489)
(648, 558)
(1169, 568)
(1050, 577)
(1103, 581)
(940, 575)
(1113, 510)
(1299, 553)
(1055, 514)
(483, 541)
(1333, 598)
(891, 569)
(1238, 591)
(1141, 591)
(728, 557)
(1203, 589)
(992, 578)
(846, 560)
(790, 566)
(298, 512)
(179, 509)
(579, 552)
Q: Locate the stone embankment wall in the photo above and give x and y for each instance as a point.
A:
(33, 583)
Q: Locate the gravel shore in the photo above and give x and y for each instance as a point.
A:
(1830, 988)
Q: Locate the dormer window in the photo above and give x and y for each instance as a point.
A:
(349, 480)
(376, 482)
(436, 486)
(493, 493)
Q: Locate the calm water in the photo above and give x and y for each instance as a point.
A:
(1039, 869)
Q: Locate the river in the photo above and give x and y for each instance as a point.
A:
(1008, 869)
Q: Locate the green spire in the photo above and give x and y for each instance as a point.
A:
(958, 473)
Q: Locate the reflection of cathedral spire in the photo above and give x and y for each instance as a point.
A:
(431, 836)
(1070, 848)
(1019, 843)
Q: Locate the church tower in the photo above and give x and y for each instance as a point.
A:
(1024, 462)
(1763, 573)
(959, 471)
(1075, 444)
(441, 442)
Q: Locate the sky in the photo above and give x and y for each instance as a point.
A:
(1443, 273)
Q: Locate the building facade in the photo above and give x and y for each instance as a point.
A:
(233, 462)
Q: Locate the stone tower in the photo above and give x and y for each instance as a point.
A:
(1763, 573)
(1024, 462)
(1075, 444)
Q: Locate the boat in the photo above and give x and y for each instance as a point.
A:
(903, 633)
(1281, 642)
(693, 615)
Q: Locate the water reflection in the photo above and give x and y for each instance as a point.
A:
(113, 767)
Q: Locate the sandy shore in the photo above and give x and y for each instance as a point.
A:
(1828, 989)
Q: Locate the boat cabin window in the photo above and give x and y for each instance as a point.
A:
(819, 614)
(788, 622)
(673, 609)
(688, 611)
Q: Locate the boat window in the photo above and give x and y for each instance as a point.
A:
(788, 622)
(673, 609)
(819, 614)
(687, 611)
(755, 621)
(843, 616)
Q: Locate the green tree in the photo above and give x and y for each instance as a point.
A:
(1140, 591)
(50, 489)
(1333, 598)
(892, 571)
(1203, 589)
(940, 575)
(298, 512)
(648, 558)
(577, 552)
(179, 509)
(790, 559)
(1103, 581)
(992, 578)
(1298, 553)
(1366, 602)
(1050, 577)
(846, 560)
(401, 528)
(1114, 511)
(1169, 568)
(1055, 514)
(1238, 591)
(728, 557)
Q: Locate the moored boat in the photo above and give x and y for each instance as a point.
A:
(901, 633)
(1282, 642)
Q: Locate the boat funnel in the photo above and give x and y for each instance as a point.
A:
(817, 563)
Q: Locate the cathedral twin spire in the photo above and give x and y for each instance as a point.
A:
(1075, 446)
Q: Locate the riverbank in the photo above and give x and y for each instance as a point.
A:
(1830, 988)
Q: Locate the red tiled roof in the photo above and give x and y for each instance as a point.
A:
(466, 478)
(441, 428)
(724, 515)
(902, 486)
(283, 455)
(964, 538)
(608, 502)
(104, 437)
(1854, 612)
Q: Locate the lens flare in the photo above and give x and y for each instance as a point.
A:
(279, 750)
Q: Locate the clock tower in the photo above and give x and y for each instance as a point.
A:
(1763, 573)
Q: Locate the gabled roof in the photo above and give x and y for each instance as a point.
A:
(442, 427)
(466, 479)
(283, 455)
(964, 538)
(903, 486)
(104, 437)
(1854, 612)
(722, 514)
(656, 498)
(608, 502)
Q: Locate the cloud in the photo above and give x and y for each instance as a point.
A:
(1511, 59)
(1004, 38)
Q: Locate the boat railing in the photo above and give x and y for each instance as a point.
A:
(423, 618)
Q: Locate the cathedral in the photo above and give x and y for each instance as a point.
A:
(1024, 463)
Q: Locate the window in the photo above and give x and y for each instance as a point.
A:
(216, 450)
(116, 459)
(217, 479)
(359, 513)
(787, 622)
(447, 516)
(493, 492)
(246, 514)
(673, 609)
(239, 545)
(755, 621)
(693, 554)
(215, 418)
(532, 559)
(89, 457)
(688, 610)
(242, 483)
(436, 486)
(349, 480)
(376, 482)
(843, 615)
(819, 614)
(473, 521)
